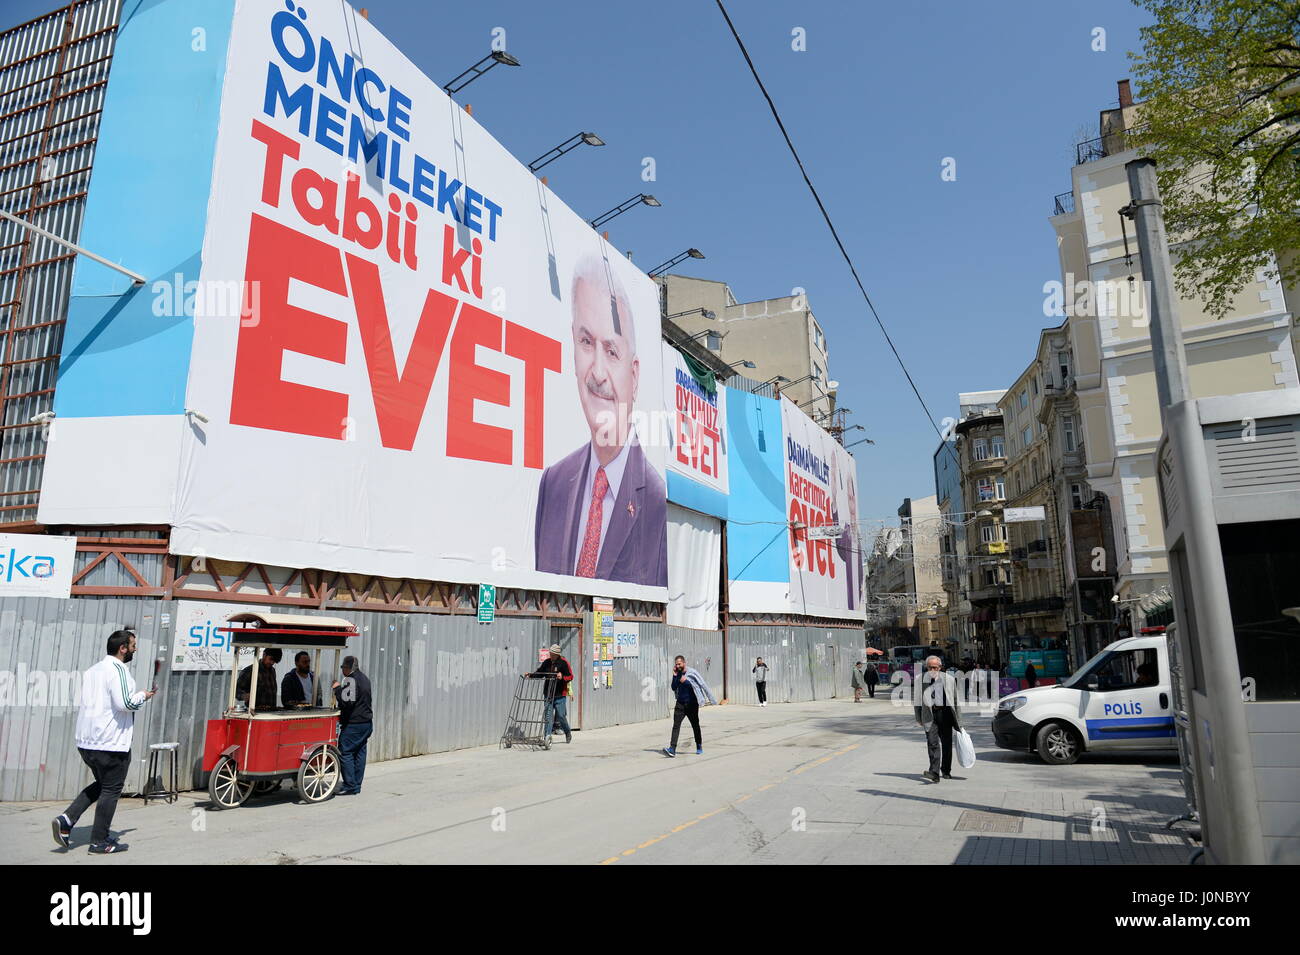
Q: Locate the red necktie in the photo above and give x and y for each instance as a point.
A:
(595, 517)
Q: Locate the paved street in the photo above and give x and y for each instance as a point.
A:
(826, 782)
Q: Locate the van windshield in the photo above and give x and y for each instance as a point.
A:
(1079, 674)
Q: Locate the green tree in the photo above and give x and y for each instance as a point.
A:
(1219, 83)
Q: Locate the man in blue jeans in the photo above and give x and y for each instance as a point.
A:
(355, 724)
(557, 692)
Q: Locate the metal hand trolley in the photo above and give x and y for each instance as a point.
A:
(526, 721)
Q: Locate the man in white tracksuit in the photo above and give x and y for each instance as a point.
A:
(109, 701)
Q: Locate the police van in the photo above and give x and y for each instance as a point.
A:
(1119, 701)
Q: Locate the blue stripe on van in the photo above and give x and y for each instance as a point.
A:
(1133, 727)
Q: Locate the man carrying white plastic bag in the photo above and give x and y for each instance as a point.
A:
(939, 716)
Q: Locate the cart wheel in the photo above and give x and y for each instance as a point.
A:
(225, 787)
(319, 775)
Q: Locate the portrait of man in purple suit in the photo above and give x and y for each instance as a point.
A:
(602, 511)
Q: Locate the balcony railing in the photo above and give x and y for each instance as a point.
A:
(1063, 204)
(1103, 146)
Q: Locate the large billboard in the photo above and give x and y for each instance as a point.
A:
(821, 487)
(422, 364)
(758, 553)
(697, 437)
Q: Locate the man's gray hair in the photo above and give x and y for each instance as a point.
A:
(596, 271)
(933, 657)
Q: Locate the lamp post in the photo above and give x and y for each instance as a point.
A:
(474, 72)
(638, 199)
(675, 261)
(573, 142)
(691, 311)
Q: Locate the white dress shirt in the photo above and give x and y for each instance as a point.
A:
(614, 475)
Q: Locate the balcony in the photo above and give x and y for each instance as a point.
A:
(1063, 204)
(1103, 146)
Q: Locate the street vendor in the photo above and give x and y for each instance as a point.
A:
(265, 680)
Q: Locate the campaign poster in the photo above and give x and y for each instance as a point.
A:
(825, 553)
(435, 368)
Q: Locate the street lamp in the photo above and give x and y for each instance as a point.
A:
(675, 261)
(742, 364)
(776, 379)
(473, 73)
(573, 142)
(691, 311)
(639, 199)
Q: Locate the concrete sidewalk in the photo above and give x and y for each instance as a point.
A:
(824, 782)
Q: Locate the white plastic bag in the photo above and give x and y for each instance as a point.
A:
(965, 749)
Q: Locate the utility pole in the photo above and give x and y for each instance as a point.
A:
(1148, 217)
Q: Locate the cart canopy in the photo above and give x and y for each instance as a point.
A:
(287, 630)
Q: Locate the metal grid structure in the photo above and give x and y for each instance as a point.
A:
(53, 75)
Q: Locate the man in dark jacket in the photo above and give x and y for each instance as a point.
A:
(355, 724)
(299, 684)
(871, 678)
(557, 691)
(265, 680)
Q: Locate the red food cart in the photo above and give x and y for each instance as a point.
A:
(252, 747)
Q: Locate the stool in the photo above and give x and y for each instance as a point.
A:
(168, 791)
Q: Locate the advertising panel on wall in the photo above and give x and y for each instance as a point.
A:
(36, 565)
(821, 484)
(197, 644)
(423, 364)
(758, 551)
(697, 456)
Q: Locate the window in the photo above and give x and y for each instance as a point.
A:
(986, 489)
(1067, 432)
(998, 448)
(1024, 397)
(980, 449)
(1076, 496)
(993, 533)
(1063, 363)
(817, 336)
(1034, 382)
(1034, 464)
(1027, 436)
(1001, 489)
(1122, 670)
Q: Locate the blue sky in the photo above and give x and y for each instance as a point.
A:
(882, 94)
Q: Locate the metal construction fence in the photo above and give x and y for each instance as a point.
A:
(440, 681)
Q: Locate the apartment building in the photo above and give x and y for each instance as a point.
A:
(1108, 334)
(781, 336)
(986, 573)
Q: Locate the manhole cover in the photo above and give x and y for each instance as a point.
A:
(973, 820)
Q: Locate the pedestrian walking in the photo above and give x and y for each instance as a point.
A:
(557, 691)
(1031, 675)
(859, 680)
(105, 723)
(871, 678)
(691, 691)
(937, 714)
(760, 680)
(356, 723)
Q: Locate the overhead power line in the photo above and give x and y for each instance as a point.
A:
(831, 225)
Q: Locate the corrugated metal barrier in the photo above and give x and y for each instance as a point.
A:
(440, 682)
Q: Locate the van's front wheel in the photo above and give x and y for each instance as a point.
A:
(1058, 744)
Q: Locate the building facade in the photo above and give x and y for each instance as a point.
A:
(1101, 293)
(780, 336)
